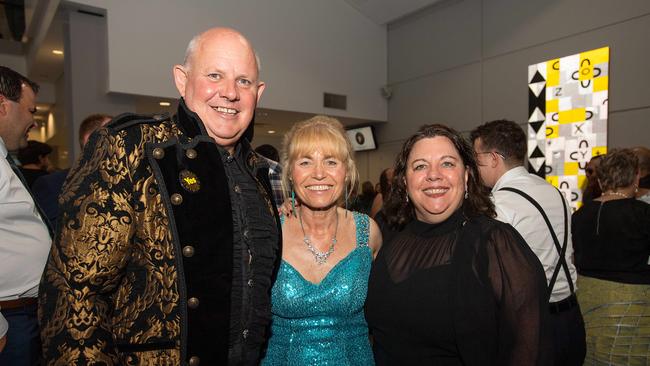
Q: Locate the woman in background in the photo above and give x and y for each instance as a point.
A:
(318, 296)
(611, 238)
(385, 179)
(591, 188)
(453, 286)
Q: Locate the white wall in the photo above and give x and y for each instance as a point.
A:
(14, 62)
(307, 47)
(85, 70)
(465, 62)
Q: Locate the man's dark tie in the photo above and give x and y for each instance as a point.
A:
(20, 175)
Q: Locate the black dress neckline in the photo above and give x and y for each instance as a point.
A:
(428, 230)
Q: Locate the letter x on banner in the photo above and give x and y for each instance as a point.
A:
(567, 118)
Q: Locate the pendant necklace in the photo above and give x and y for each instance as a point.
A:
(615, 193)
(320, 257)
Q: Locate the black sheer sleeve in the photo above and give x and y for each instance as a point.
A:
(517, 279)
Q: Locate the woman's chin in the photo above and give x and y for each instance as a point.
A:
(318, 206)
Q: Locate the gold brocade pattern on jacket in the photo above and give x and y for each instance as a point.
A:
(113, 216)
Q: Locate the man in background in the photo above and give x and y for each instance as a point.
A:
(643, 191)
(34, 161)
(275, 171)
(540, 213)
(24, 234)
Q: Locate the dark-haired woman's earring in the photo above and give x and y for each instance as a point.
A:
(407, 198)
(466, 193)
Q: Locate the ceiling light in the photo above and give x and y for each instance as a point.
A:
(165, 104)
(271, 131)
(57, 52)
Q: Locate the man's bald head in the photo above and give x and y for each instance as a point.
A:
(198, 39)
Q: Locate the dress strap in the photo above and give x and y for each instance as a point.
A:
(362, 223)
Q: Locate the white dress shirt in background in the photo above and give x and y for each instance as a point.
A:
(24, 239)
(522, 215)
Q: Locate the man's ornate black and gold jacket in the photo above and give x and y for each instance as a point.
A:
(142, 269)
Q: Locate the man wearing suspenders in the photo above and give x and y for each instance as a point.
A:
(542, 216)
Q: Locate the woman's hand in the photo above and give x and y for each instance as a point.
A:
(286, 208)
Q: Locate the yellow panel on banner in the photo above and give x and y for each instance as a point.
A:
(573, 115)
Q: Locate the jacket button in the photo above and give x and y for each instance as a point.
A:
(158, 153)
(237, 189)
(192, 303)
(251, 283)
(177, 199)
(190, 153)
(244, 334)
(194, 361)
(188, 251)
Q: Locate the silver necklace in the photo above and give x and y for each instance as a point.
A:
(615, 193)
(320, 257)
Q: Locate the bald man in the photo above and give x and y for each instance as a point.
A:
(169, 239)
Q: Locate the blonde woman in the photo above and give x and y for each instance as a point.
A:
(318, 296)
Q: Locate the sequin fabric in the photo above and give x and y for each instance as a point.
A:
(323, 324)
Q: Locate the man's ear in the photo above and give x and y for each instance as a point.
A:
(495, 160)
(180, 79)
(260, 89)
(4, 105)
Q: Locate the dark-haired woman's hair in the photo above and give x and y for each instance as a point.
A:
(399, 212)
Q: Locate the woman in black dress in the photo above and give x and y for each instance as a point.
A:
(611, 237)
(452, 286)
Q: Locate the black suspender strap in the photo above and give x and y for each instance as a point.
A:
(560, 249)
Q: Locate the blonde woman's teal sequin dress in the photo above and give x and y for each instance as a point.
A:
(323, 324)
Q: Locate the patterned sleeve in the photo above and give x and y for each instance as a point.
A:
(88, 256)
(519, 286)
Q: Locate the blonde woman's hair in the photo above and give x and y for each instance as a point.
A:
(319, 133)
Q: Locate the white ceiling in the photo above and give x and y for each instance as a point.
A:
(48, 67)
(386, 11)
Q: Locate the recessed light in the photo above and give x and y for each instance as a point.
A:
(165, 104)
(271, 131)
(57, 52)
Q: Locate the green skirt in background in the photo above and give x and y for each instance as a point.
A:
(617, 321)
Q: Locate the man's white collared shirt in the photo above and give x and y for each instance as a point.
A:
(517, 211)
(24, 239)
